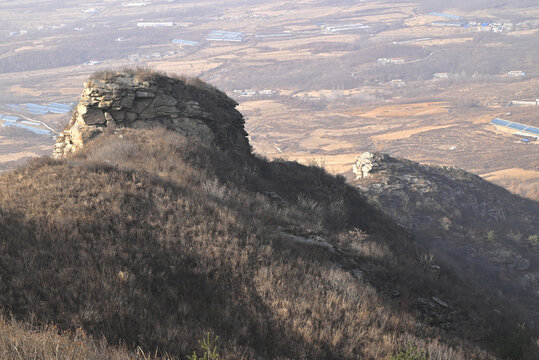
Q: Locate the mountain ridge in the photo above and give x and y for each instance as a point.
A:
(151, 238)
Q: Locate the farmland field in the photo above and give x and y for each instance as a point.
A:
(308, 93)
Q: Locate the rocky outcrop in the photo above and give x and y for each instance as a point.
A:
(125, 100)
(368, 162)
(469, 224)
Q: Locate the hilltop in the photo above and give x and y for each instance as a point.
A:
(151, 238)
(142, 98)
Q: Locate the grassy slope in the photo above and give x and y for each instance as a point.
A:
(20, 341)
(151, 240)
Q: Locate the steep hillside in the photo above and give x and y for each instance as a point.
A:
(152, 239)
(468, 224)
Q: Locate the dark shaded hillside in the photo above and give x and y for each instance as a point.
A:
(479, 230)
(151, 239)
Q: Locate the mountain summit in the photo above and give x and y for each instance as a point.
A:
(143, 99)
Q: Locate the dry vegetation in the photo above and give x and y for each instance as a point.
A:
(149, 239)
(20, 341)
(145, 73)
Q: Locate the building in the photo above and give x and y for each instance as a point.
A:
(447, 16)
(516, 73)
(412, 41)
(344, 27)
(397, 83)
(385, 61)
(270, 36)
(398, 61)
(219, 35)
(516, 128)
(185, 42)
(155, 24)
(136, 4)
(134, 57)
(449, 24)
(438, 76)
(18, 33)
(524, 102)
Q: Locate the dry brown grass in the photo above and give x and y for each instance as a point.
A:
(19, 341)
(152, 240)
(144, 73)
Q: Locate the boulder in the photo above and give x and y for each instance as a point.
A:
(93, 117)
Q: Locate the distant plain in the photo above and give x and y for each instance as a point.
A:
(330, 99)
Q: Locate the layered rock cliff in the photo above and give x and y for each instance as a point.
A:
(131, 99)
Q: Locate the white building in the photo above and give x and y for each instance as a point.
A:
(397, 83)
(155, 24)
(516, 73)
(396, 61)
(136, 4)
(437, 76)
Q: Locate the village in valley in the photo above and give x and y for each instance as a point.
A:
(323, 81)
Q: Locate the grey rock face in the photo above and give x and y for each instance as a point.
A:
(93, 117)
(200, 112)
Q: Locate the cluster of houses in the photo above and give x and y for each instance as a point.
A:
(472, 25)
(491, 27)
(40, 28)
